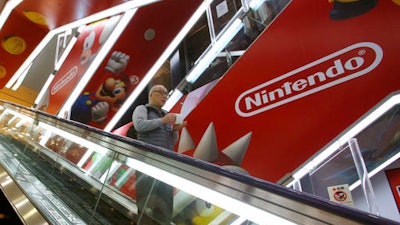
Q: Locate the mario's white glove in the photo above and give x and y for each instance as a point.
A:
(100, 111)
(117, 62)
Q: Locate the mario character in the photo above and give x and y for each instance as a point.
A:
(113, 90)
(95, 106)
(346, 9)
(92, 37)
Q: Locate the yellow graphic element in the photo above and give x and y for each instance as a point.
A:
(14, 44)
(3, 71)
(206, 219)
(36, 17)
(397, 2)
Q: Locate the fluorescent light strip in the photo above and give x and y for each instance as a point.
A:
(102, 53)
(210, 21)
(230, 204)
(3, 114)
(224, 216)
(205, 61)
(232, 53)
(173, 99)
(84, 158)
(214, 51)
(245, 5)
(11, 121)
(17, 114)
(76, 139)
(21, 78)
(255, 4)
(44, 89)
(8, 8)
(376, 170)
(19, 124)
(352, 132)
(149, 75)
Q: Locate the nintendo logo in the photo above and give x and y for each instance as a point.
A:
(64, 80)
(336, 68)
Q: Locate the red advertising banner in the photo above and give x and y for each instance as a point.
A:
(148, 34)
(17, 44)
(313, 72)
(81, 56)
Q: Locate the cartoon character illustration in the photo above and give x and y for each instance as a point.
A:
(89, 41)
(230, 158)
(95, 105)
(89, 50)
(87, 53)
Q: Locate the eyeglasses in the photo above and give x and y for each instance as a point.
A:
(161, 92)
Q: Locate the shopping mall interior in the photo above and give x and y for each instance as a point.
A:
(292, 111)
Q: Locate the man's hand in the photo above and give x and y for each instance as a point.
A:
(179, 126)
(169, 118)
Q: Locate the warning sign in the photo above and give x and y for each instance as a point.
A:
(340, 194)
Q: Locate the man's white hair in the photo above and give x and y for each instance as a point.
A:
(155, 87)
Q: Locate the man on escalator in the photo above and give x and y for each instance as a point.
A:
(156, 126)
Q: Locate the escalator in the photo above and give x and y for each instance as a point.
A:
(54, 171)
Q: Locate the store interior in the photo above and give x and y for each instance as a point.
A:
(192, 56)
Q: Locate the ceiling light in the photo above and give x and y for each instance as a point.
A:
(205, 61)
(228, 203)
(172, 100)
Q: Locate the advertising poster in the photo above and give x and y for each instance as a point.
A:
(89, 42)
(143, 41)
(314, 71)
(17, 44)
